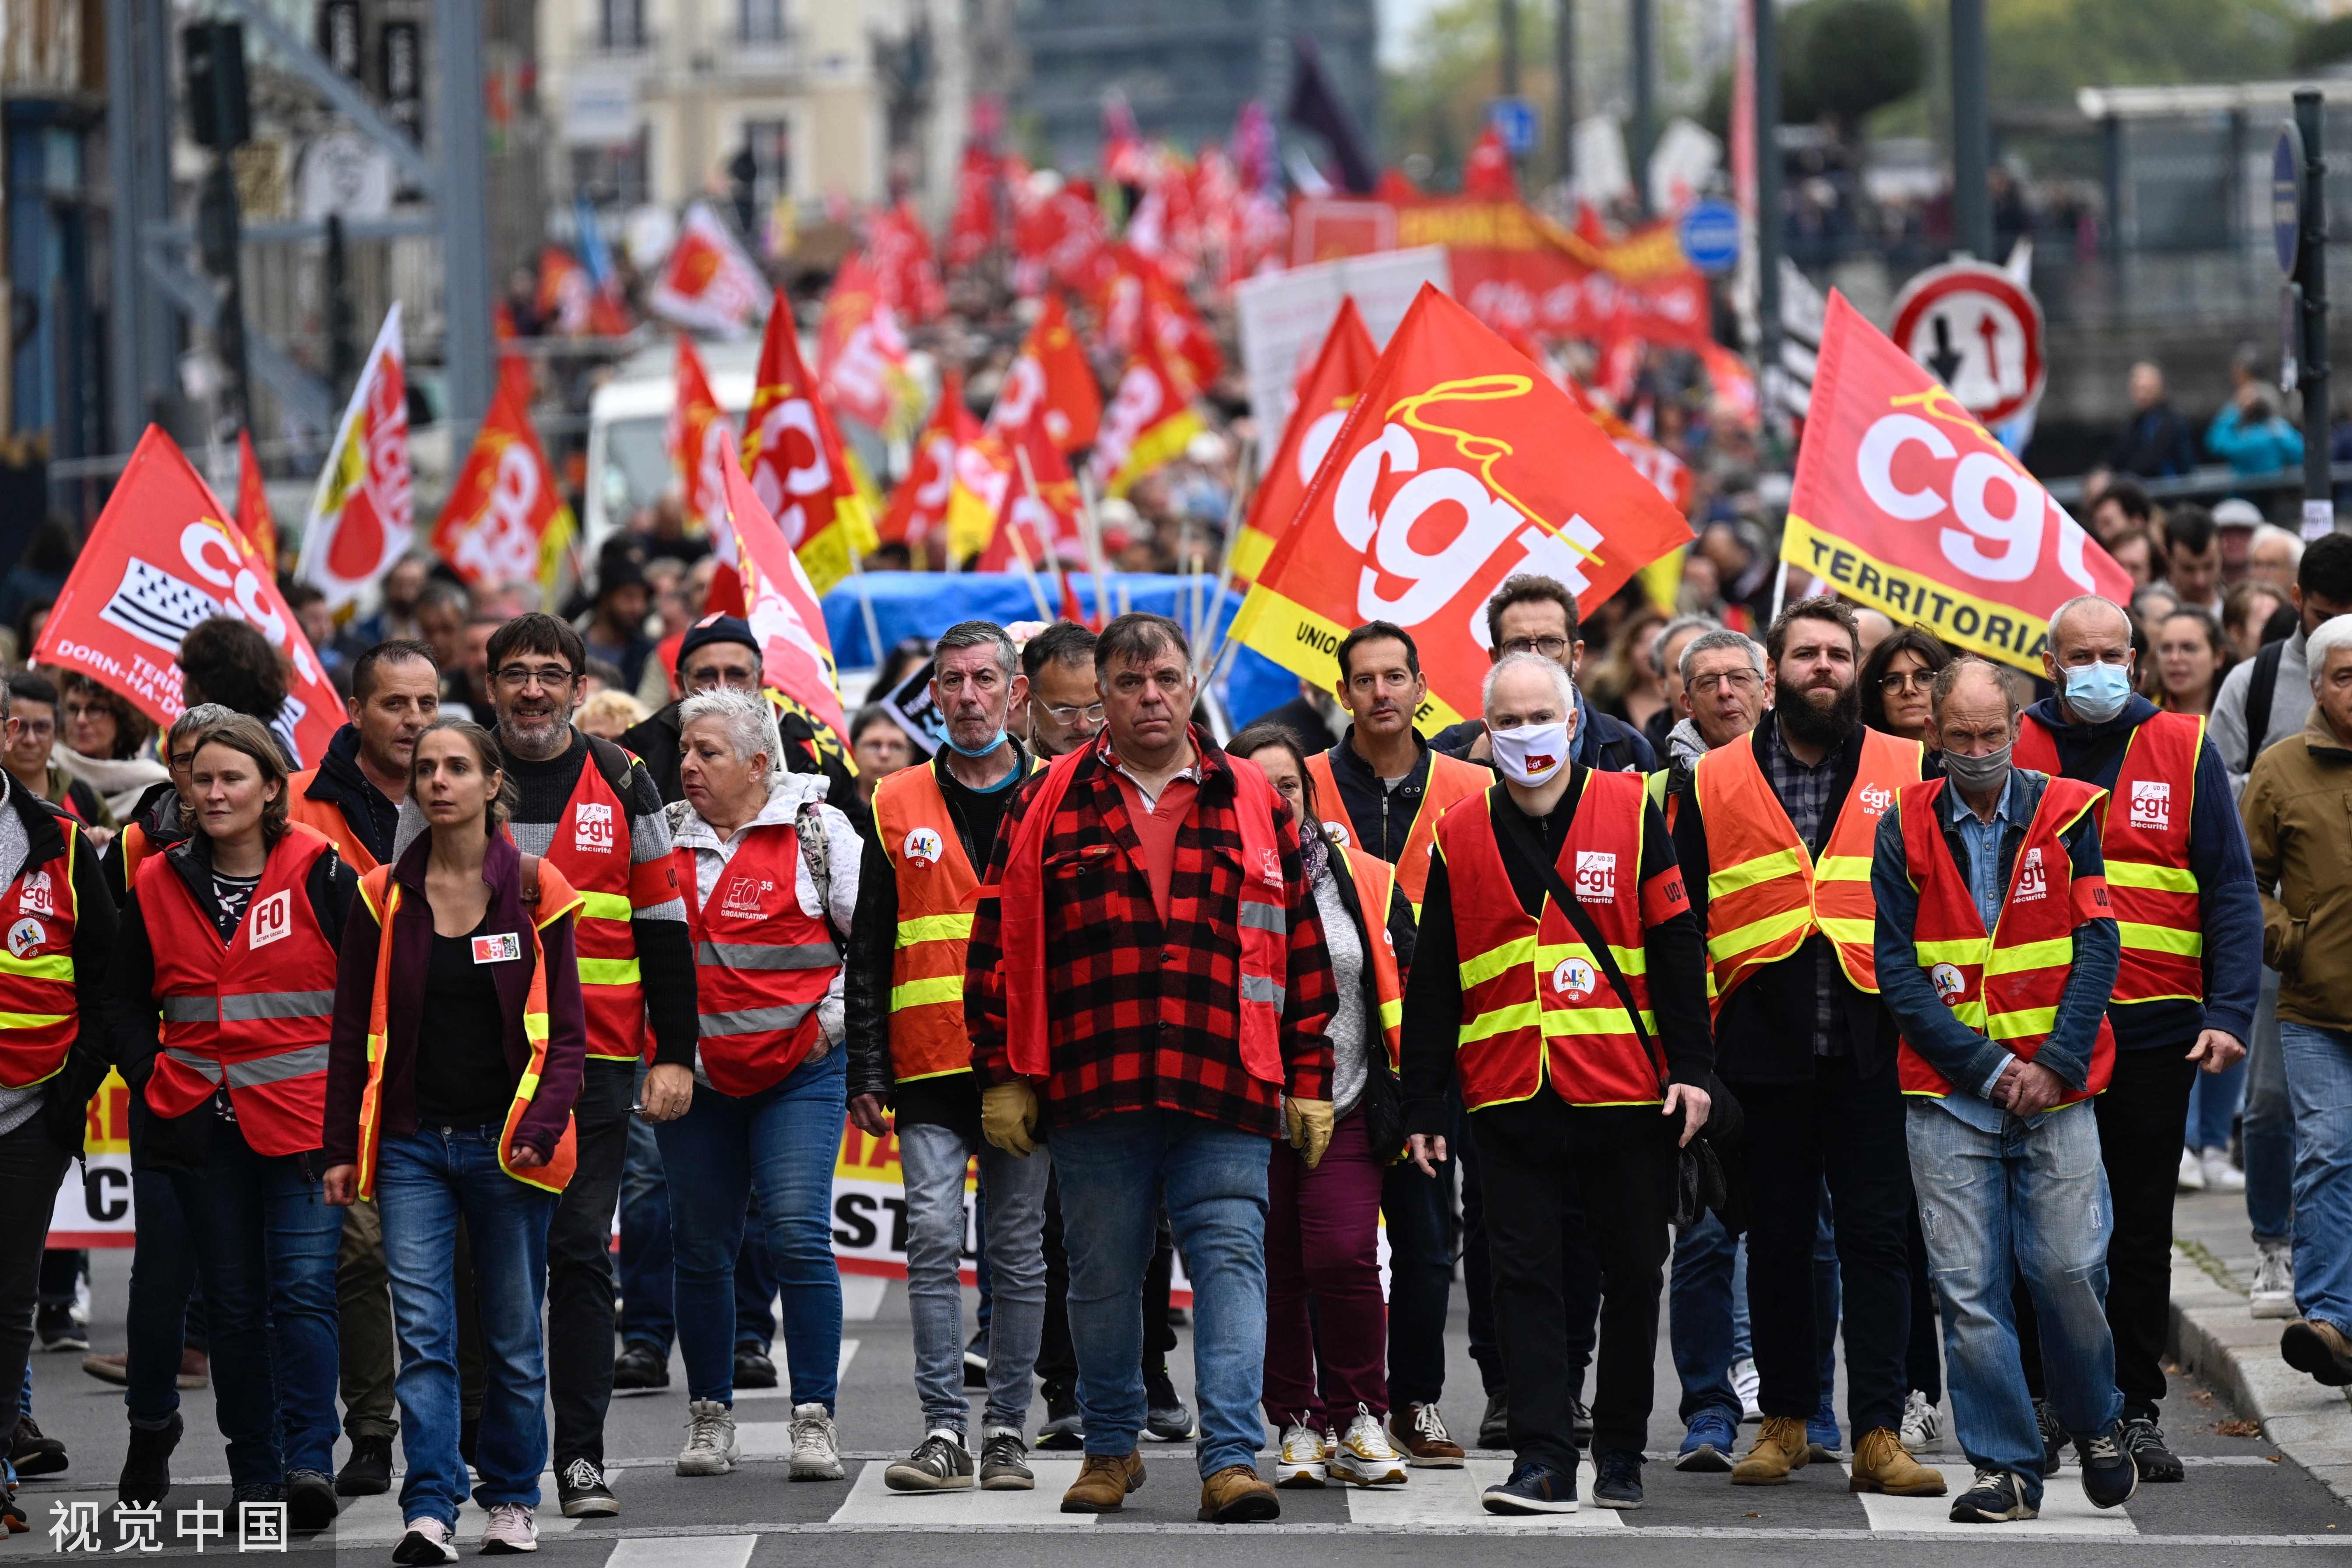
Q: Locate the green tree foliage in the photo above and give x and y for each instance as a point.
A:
(2323, 43)
(2042, 50)
(1848, 58)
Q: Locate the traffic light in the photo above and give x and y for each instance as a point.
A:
(220, 113)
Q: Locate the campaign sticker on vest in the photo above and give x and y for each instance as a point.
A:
(1875, 799)
(1949, 981)
(924, 847)
(2033, 878)
(25, 935)
(592, 827)
(1337, 832)
(1573, 978)
(270, 918)
(503, 947)
(743, 897)
(2151, 803)
(1596, 875)
(36, 896)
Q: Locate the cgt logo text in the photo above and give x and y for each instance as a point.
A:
(1875, 799)
(1596, 877)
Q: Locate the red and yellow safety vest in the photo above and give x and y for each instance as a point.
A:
(1450, 779)
(937, 890)
(2005, 985)
(1535, 1006)
(382, 897)
(2146, 847)
(761, 963)
(326, 819)
(38, 1008)
(1765, 891)
(254, 1010)
(590, 847)
(1375, 879)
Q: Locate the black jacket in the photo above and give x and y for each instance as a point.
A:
(2158, 443)
(1303, 720)
(1382, 817)
(656, 744)
(339, 783)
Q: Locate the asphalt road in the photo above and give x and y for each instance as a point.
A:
(2241, 1502)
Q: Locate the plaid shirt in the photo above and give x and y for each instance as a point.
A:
(1805, 795)
(1142, 1016)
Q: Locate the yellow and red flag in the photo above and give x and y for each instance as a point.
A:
(778, 598)
(1459, 466)
(918, 507)
(1041, 501)
(707, 282)
(506, 521)
(363, 513)
(1322, 396)
(861, 354)
(1149, 420)
(253, 518)
(695, 423)
(793, 458)
(1051, 378)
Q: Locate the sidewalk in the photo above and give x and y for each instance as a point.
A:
(2237, 1355)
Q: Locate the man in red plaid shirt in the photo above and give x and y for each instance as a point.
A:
(1146, 958)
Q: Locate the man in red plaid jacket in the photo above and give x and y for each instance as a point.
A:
(1146, 958)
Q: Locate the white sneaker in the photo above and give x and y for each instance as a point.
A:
(816, 1446)
(1303, 1454)
(428, 1542)
(2192, 1173)
(710, 1447)
(2274, 1291)
(2221, 1176)
(1748, 1383)
(1923, 1426)
(1364, 1457)
(511, 1529)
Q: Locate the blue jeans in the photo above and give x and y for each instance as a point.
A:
(1113, 1172)
(645, 1261)
(266, 1244)
(2269, 1126)
(427, 1181)
(932, 1159)
(2030, 1200)
(782, 1141)
(1706, 1301)
(2214, 1102)
(2319, 1080)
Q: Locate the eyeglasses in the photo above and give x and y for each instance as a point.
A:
(1550, 647)
(1896, 681)
(1092, 713)
(1737, 680)
(548, 677)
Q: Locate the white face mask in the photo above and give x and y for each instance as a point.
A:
(1531, 755)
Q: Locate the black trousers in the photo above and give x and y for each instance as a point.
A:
(580, 1264)
(1057, 1356)
(1419, 1211)
(1579, 1281)
(1535, 1159)
(32, 1164)
(2143, 1117)
(1848, 1128)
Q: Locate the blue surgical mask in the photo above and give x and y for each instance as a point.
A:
(2096, 692)
(976, 751)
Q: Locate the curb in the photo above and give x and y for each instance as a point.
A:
(2237, 1356)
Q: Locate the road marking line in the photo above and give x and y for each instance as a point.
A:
(871, 1503)
(2064, 1510)
(861, 1297)
(682, 1552)
(783, 1389)
(1450, 1498)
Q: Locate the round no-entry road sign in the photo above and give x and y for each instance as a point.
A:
(1978, 333)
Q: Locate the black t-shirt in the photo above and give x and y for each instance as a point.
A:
(230, 896)
(462, 1076)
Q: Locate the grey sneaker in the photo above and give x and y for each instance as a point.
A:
(816, 1446)
(511, 1530)
(1004, 1463)
(2273, 1293)
(940, 1463)
(710, 1447)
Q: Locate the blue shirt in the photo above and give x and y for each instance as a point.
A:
(1982, 839)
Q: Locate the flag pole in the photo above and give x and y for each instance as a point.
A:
(1021, 553)
(866, 605)
(1029, 483)
(1096, 561)
(1242, 489)
(1780, 587)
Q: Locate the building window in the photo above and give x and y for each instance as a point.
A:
(614, 176)
(770, 143)
(621, 24)
(760, 21)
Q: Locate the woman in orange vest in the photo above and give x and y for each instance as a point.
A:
(1322, 1233)
(218, 1008)
(469, 1119)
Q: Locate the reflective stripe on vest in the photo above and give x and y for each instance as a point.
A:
(2006, 985)
(1450, 779)
(938, 890)
(38, 1011)
(1765, 892)
(1375, 879)
(1535, 1007)
(382, 896)
(2147, 848)
(253, 1012)
(761, 962)
(591, 846)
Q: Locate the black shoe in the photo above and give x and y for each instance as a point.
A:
(58, 1329)
(1495, 1426)
(147, 1463)
(1619, 1482)
(1165, 1416)
(1580, 1424)
(2054, 1437)
(310, 1499)
(2150, 1454)
(2319, 1349)
(1065, 1429)
(33, 1453)
(1997, 1497)
(753, 1369)
(638, 1368)
(257, 1491)
(1532, 1489)
(2110, 1475)
(368, 1472)
(1005, 1463)
(1178, 1317)
(939, 1464)
(975, 1362)
(579, 1487)
(12, 1516)
(469, 1433)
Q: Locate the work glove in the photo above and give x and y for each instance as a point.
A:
(1008, 1116)
(1310, 1127)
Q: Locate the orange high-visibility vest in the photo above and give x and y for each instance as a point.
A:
(1375, 879)
(2005, 985)
(556, 900)
(1450, 779)
(1535, 1006)
(761, 963)
(937, 890)
(327, 821)
(37, 1006)
(590, 847)
(1765, 892)
(253, 1012)
(2147, 846)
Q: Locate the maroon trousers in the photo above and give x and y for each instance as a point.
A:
(1322, 1243)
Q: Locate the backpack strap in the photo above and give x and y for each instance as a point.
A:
(2260, 691)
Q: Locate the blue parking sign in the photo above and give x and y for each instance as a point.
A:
(1514, 119)
(1709, 236)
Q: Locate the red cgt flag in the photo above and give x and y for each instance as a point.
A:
(792, 456)
(1323, 397)
(918, 507)
(795, 649)
(253, 517)
(1459, 466)
(160, 558)
(1148, 422)
(861, 354)
(695, 426)
(1051, 378)
(1905, 503)
(506, 521)
(1041, 500)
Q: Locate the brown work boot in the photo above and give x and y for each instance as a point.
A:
(1103, 1483)
(1236, 1495)
(1418, 1432)
(1882, 1464)
(2318, 1347)
(1779, 1447)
